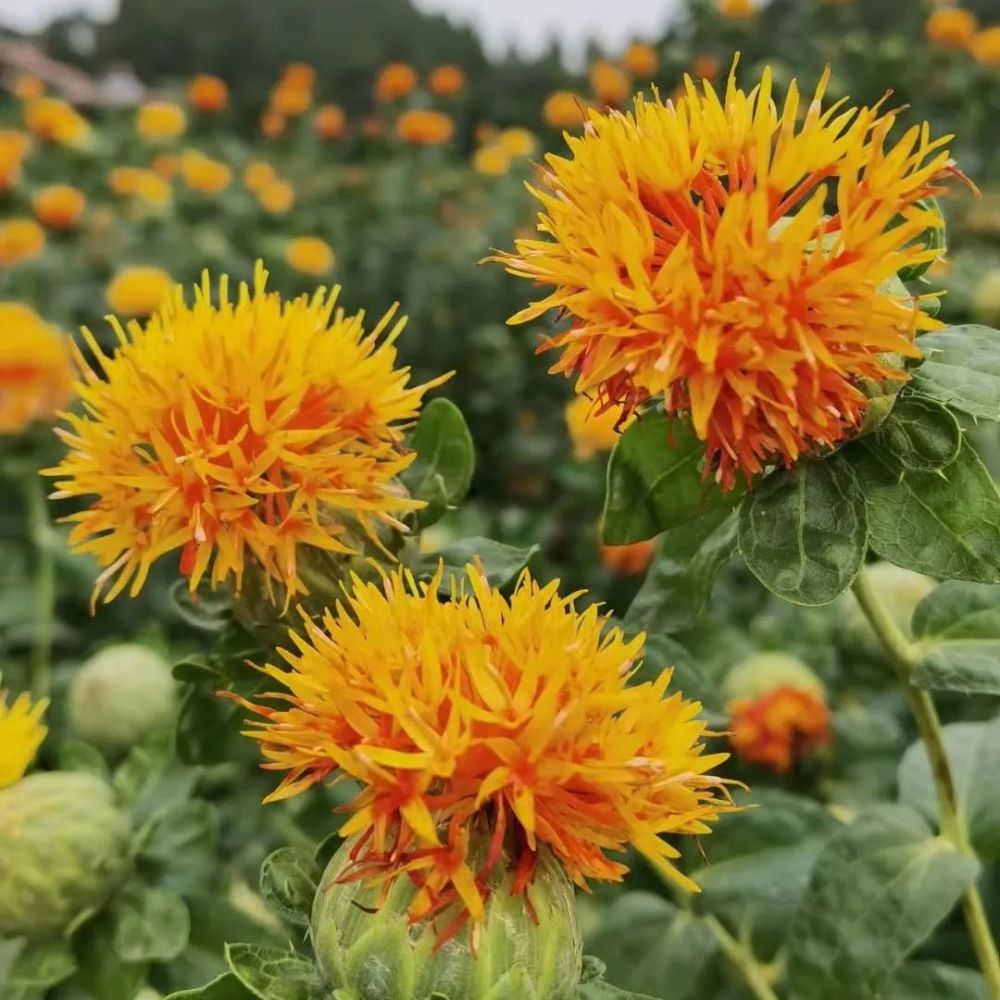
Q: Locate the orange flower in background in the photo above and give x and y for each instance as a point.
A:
(628, 560)
(512, 716)
(299, 76)
(138, 291)
(564, 109)
(689, 245)
(276, 197)
(373, 126)
(395, 81)
(28, 87)
(705, 67)
(950, 27)
(609, 84)
(20, 240)
(257, 174)
(138, 182)
(36, 380)
(778, 727)
(519, 143)
(985, 46)
(491, 161)
(166, 165)
(446, 81)
(310, 255)
(158, 120)
(59, 206)
(272, 124)
(330, 122)
(202, 173)
(14, 147)
(737, 8)
(52, 119)
(641, 60)
(424, 128)
(591, 429)
(290, 102)
(237, 433)
(208, 94)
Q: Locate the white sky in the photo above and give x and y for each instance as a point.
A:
(528, 23)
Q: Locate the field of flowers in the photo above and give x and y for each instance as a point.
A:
(377, 624)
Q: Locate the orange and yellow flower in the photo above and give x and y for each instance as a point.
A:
(257, 174)
(158, 120)
(777, 727)
(14, 146)
(290, 102)
(273, 125)
(208, 94)
(138, 182)
(564, 109)
(395, 81)
(491, 161)
(446, 81)
(950, 27)
(330, 122)
(36, 379)
(203, 173)
(59, 206)
(238, 433)
(609, 84)
(518, 143)
(138, 291)
(691, 246)
(737, 8)
(52, 119)
(20, 240)
(641, 60)
(421, 127)
(276, 196)
(310, 255)
(21, 734)
(985, 46)
(515, 717)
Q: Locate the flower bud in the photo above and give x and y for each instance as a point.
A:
(900, 590)
(763, 672)
(986, 298)
(62, 848)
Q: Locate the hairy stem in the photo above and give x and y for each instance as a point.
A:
(40, 532)
(743, 962)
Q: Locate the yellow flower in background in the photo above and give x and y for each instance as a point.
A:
(204, 174)
(609, 84)
(273, 124)
(491, 161)
(20, 240)
(591, 429)
(52, 119)
(138, 182)
(208, 94)
(690, 246)
(59, 206)
(420, 127)
(310, 255)
(166, 165)
(138, 290)
(237, 433)
(564, 109)
(950, 27)
(737, 8)
(395, 81)
(21, 734)
(330, 122)
(158, 120)
(36, 380)
(985, 46)
(125, 180)
(276, 197)
(28, 87)
(517, 142)
(446, 81)
(511, 715)
(641, 60)
(14, 147)
(257, 174)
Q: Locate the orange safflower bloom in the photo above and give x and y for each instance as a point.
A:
(395, 81)
(290, 102)
(147, 185)
(157, 120)
(238, 433)
(985, 46)
(737, 8)
(609, 84)
(20, 240)
(641, 60)
(564, 109)
(272, 124)
(420, 127)
(257, 174)
(138, 290)
(208, 94)
(491, 161)
(59, 206)
(52, 119)
(518, 142)
(310, 255)
(204, 174)
(276, 197)
(446, 81)
(28, 87)
(299, 75)
(628, 560)
(166, 165)
(950, 27)
(14, 146)
(330, 122)
(705, 67)
(689, 244)
(777, 727)
(511, 716)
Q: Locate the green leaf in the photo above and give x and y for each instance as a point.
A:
(226, 987)
(180, 846)
(74, 755)
(935, 981)
(151, 924)
(36, 966)
(289, 878)
(501, 563)
(599, 990)
(207, 727)
(446, 458)
(921, 434)
(961, 368)
(945, 524)
(679, 582)
(102, 973)
(878, 890)
(803, 531)
(272, 974)
(655, 481)
(973, 751)
(957, 632)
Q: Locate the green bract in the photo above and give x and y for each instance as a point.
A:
(763, 672)
(368, 951)
(62, 848)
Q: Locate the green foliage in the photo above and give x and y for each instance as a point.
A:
(961, 368)
(289, 879)
(273, 974)
(501, 564)
(150, 924)
(920, 434)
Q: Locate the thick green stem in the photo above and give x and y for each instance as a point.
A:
(744, 963)
(904, 659)
(40, 531)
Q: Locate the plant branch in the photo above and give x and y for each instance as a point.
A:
(743, 961)
(40, 532)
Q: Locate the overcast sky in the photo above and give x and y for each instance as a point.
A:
(527, 23)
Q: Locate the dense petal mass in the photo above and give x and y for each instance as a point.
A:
(510, 715)
(238, 431)
(737, 259)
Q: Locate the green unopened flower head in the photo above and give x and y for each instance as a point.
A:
(62, 848)
(986, 298)
(763, 672)
(900, 590)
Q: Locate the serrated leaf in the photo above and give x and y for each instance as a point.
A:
(920, 434)
(877, 891)
(973, 751)
(289, 878)
(945, 524)
(272, 974)
(501, 563)
(225, 987)
(446, 458)
(961, 368)
(151, 924)
(803, 531)
(679, 582)
(655, 481)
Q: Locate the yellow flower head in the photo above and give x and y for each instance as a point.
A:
(138, 291)
(237, 432)
(491, 161)
(950, 27)
(592, 429)
(985, 46)
(564, 109)
(641, 60)
(21, 734)
(14, 146)
(395, 81)
(310, 255)
(208, 94)
(421, 127)
(202, 173)
(20, 240)
(737, 8)
(52, 119)
(161, 120)
(59, 206)
(692, 245)
(36, 379)
(257, 174)
(330, 122)
(609, 84)
(276, 197)
(511, 715)
(519, 143)
(446, 81)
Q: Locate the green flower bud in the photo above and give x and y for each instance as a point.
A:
(986, 298)
(763, 672)
(526, 948)
(62, 848)
(901, 590)
(119, 695)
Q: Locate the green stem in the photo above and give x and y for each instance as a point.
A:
(904, 660)
(742, 961)
(45, 584)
